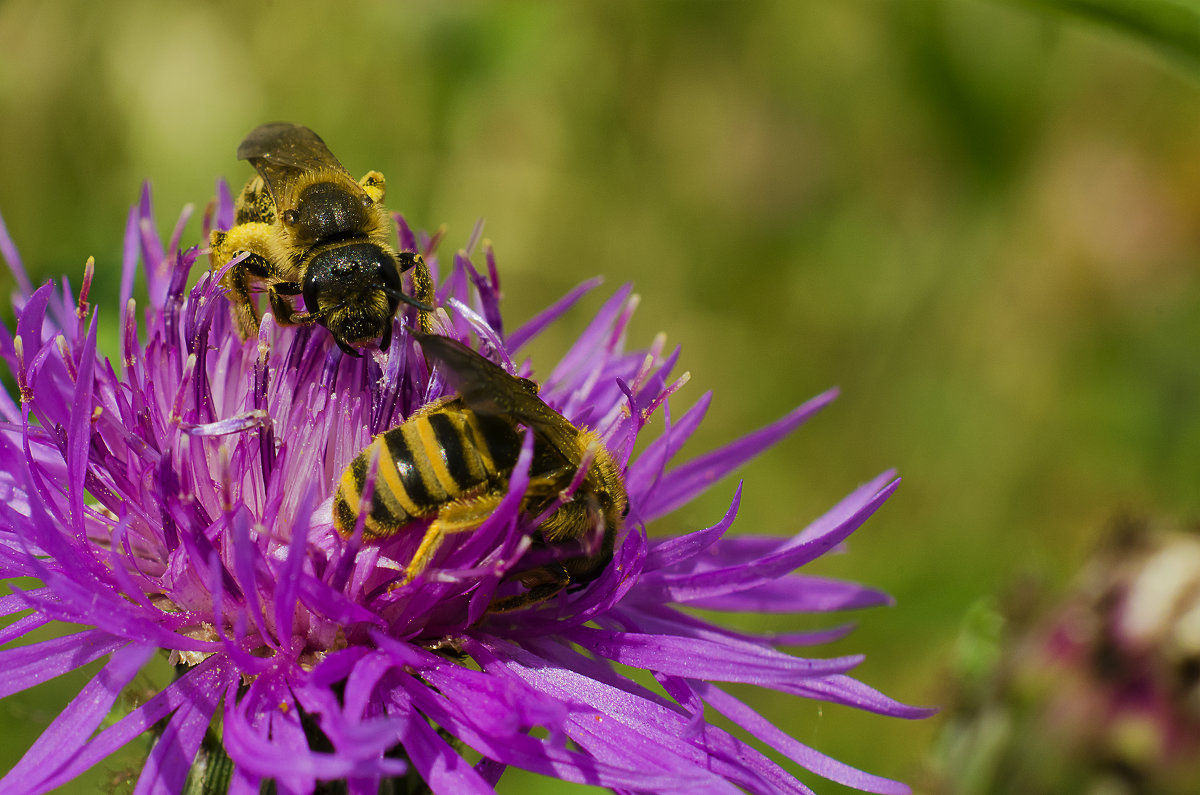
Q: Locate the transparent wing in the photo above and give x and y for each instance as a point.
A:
(283, 153)
(487, 388)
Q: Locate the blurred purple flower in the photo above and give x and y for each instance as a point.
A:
(180, 501)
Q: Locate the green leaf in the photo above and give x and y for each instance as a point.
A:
(1170, 27)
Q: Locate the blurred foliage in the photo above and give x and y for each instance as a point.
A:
(1172, 27)
(979, 221)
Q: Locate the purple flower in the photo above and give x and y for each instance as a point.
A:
(180, 500)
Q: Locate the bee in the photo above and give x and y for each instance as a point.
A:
(451, 460)
(311, 230)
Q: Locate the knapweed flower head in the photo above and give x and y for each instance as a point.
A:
(178, 500)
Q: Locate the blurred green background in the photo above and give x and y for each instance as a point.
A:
(979, 220)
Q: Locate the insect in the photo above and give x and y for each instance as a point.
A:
(311, 230)
(451, 460)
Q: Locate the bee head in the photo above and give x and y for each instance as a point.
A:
(354, 289)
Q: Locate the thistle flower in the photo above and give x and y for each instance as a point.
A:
(179, 500)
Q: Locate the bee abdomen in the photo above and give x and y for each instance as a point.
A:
(389, 509)
(424, 463)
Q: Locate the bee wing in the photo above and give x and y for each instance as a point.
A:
(487, 388)
(282, 153)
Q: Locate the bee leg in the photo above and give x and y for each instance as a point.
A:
(253, 237)
(281, 307)
(423, 296)
(254, 203)
(375, 185)
(453, 517)
(574, 519)
(423, 292)
(542, 583)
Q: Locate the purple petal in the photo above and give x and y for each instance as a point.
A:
(63, 738)
(239, 423)
(664, 618)
(277, 746)
(834, 527)
(170, 759)
(645, 473)
(212, 675)
(845, 690)
(705, 659)
(439, 765)
(31, 321)
(79, 431)
(129, 261)
(286, 579)
(22, 626)
(627, 730)
(797, 593)
(26, 666)
(245, 563)
(672, 551)
(8, 250)
(590, 343)
(808, 758)
(683, 483)
(19, 600)
(547, 316)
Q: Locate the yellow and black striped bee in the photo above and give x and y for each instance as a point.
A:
(312, 231)
(451, 460)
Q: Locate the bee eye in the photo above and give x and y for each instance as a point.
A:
(366, 200)
(290, 217)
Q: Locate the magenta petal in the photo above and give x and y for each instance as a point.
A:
(797, 593)
(828, 531)
(844, 690)
(170, 759)
(625, 729)
(79, 430)
(71, 728)
(683, 483)
(815, 761)
(679, 549)
(8, 250)
(440, 766)
(26, 666)
(547, 316)
(705, 659)
(211, 675)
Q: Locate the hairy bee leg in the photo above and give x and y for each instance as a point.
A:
(540, 588)
(453, 517)
(285, 312)
(423, 292)
(574, 519)
(375, 185)
(253, 237)
(254, 204)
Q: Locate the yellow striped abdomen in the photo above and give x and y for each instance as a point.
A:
(440, 453)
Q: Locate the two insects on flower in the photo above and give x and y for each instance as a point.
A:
(305, 227)
(376, 554)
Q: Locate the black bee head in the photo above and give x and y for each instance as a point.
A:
(354, 288)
